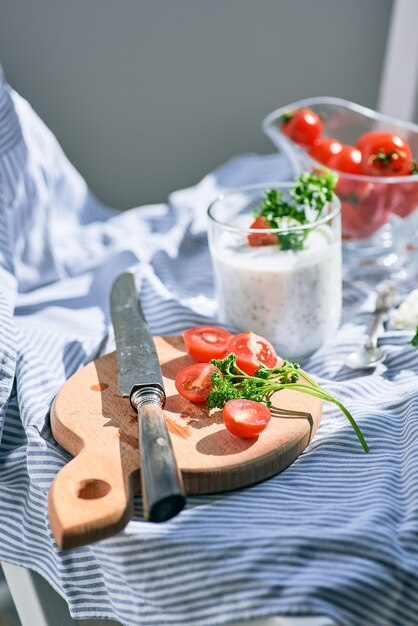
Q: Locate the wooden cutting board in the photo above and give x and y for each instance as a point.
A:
(91, 496)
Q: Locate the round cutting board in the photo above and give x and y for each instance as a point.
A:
(91, 496)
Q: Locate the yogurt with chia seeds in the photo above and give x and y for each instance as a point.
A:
(293, 298)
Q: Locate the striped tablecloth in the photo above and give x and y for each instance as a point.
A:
(335, 534)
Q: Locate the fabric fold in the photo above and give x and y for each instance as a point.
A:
(334, 534)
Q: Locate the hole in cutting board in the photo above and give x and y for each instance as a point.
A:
(93, 489)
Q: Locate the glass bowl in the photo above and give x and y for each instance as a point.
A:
(293, 297)
(379, 214)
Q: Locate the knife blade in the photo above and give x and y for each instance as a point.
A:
(140, 379)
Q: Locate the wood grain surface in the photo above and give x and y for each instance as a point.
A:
(92, 496)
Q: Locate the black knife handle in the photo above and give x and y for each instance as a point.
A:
(163, 494)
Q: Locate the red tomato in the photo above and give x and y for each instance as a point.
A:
(387, 155)
(261, 239)
(324, 149)
(363, 216)
(251, 350)
(347, 160)
(245, 418)
(303, 126)
(193, 382)
(204, 343)
(352, 190)
(366, 138)
(403, 198)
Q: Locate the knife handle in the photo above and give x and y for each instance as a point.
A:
(163, 494)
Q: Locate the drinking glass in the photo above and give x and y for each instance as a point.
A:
(291, 297)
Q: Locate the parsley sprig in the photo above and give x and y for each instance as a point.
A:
(414, 339)
(311, 192)
(229, 382)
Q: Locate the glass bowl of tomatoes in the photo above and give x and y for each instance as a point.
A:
(375, 157)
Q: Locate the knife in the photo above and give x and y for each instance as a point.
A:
(140, 379)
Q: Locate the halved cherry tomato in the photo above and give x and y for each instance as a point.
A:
(302, 126)
(324, 149)
(261, 239)
(193, 382)
(204, 343)
(251, 350)
(387, 155)
(245, 418)
(347, 160)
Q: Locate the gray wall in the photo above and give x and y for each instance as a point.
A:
(146, 96)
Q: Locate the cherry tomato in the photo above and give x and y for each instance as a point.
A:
(245, 418)
(324, 149)
(387, 155)
(251, 350)
(403, 198)
(193, 382)
(351, 190)
(261, 239)
(362, 216)
(366, 138)
(347, 160)
(302, 126)
(204, 343)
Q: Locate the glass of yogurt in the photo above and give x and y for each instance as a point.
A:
(293, 298)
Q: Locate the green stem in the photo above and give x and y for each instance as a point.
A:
(318, 392)
(311, 388)
(352, 422)
(323, 395)
(309, 380)
(346, 412)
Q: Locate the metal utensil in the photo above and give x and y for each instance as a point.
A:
(370, 355)
(140, 379)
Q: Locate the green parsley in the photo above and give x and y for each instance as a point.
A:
(229, 382)
(311, 192)
(414, 339)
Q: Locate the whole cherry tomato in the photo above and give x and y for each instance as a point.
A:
(204, 343)
(352, 190)
(387, 155)
(363, 215)
(251, 350)
(245, 418)
(347, 160)
(302, 126)
(193, 382)
(366, 138)
(404, 198)
(324, 149)
(261, 239)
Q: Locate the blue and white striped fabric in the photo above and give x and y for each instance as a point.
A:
(335, 534)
